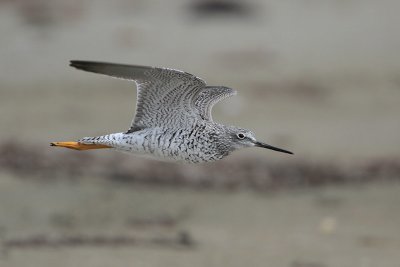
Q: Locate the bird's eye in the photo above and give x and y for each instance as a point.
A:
(240, 136)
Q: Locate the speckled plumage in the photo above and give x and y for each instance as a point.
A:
(173, 119)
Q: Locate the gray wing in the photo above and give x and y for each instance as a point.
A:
(208, 97)
(165, 96)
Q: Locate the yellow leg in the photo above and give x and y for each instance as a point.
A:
(78, 146)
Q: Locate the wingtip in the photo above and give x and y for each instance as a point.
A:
(77, 63)
(74, 63)
(91, 66)
(84, 65)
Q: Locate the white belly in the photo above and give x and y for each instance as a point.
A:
(163, 144)
(154, 143)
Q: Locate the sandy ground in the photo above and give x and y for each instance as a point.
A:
(353, 226)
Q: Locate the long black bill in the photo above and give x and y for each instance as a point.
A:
(260, 144)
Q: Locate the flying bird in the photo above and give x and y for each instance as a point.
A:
(173, 119)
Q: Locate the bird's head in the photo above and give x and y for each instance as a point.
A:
(241, 138)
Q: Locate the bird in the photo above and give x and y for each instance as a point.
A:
(173, 119)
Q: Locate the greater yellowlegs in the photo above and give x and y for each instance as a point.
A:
(173, 117)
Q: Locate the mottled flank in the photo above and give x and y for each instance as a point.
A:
(173, 119)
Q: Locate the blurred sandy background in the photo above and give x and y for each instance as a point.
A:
(320, 78)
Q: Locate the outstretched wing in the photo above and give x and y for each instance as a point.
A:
(165, 97)
(208, 97)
